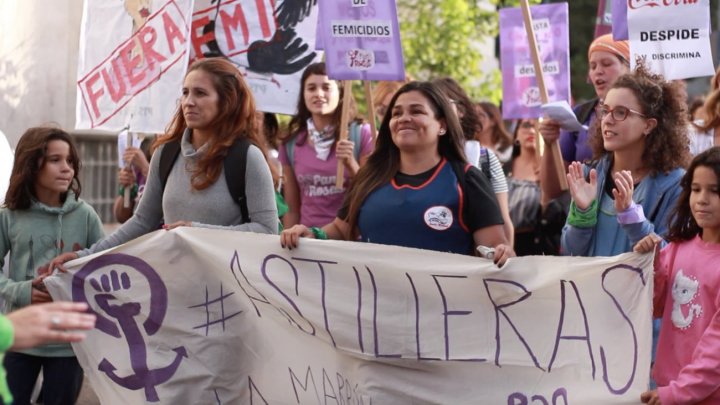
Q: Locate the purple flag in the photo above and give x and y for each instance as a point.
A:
(361, 39)
(521, 95)
(619, 20)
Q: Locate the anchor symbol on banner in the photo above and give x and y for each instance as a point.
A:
(105, 287)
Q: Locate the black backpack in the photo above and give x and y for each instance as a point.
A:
(234, 165)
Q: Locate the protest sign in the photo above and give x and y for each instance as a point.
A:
(678, 48)
(619, 20)
(521, 94)
(361, 39)
(213, 316)
(131, 64)
(268, 40)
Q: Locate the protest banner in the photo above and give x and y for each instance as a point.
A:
(203, 316)
(521, 94)
(619, 20)
(268, 40)
(361, 39)
(131, 64)
(677, 48)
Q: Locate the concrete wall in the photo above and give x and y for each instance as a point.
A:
(38, 63)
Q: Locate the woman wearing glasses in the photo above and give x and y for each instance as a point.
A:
(639, 149)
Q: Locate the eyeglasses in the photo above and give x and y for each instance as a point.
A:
(618, 113)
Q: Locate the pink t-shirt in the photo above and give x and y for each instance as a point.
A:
(687, 366)
(320, 200)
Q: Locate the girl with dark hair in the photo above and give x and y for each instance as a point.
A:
(640, 147)
(311, 154)
(476, 154)
(43, 216)
(216, 109)
(687, 286)
(416, 189)
(493, 134)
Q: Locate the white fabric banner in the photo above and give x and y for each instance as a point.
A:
(270, 41)
(678, 48)
(199, 316)
(133, 57)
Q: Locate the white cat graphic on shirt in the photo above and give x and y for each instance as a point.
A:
(684, 290)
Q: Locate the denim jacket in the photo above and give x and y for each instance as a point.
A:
(656, 194)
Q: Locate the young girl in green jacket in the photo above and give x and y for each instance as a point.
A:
(41, 218)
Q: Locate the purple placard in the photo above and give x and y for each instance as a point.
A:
(361, 39)
(619, 20)
(521, 95)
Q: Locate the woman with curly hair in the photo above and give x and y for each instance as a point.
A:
(640, 149)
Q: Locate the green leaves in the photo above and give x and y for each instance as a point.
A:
(453, 38)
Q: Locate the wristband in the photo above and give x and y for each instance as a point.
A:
(7, 333)
(133, 191)
(319, 233)
(632, 215)
(583, 219)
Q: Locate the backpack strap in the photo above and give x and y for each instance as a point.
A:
(460, 169)
(235, 164)
(290, 150)
(485, 162)
(169, 155)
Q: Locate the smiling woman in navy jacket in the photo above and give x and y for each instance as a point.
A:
(417, 190)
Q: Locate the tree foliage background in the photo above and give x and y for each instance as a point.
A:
(442, 37)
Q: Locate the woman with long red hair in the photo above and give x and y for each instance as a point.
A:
(216, 110)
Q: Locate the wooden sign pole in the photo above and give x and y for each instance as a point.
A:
(370, 107)
(554, 148)
(127, 190)
(344, 121)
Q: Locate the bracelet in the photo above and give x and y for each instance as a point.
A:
(133, 191)
(319, 233)
(632, 215)
(583, 219)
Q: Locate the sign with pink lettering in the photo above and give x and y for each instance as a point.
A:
(270, 41)
(678, 48)
(521, 94)
(361, 39)
(207, 316)
(133, 56)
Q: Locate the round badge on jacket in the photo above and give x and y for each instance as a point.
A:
(439, 217)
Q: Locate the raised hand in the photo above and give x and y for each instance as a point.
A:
(582, 191)
(550, 130)
(623, 190)
(137, 158)
(126, 177)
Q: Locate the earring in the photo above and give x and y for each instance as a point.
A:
(442, 131)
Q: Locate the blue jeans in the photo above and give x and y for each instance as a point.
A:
(62, 378)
